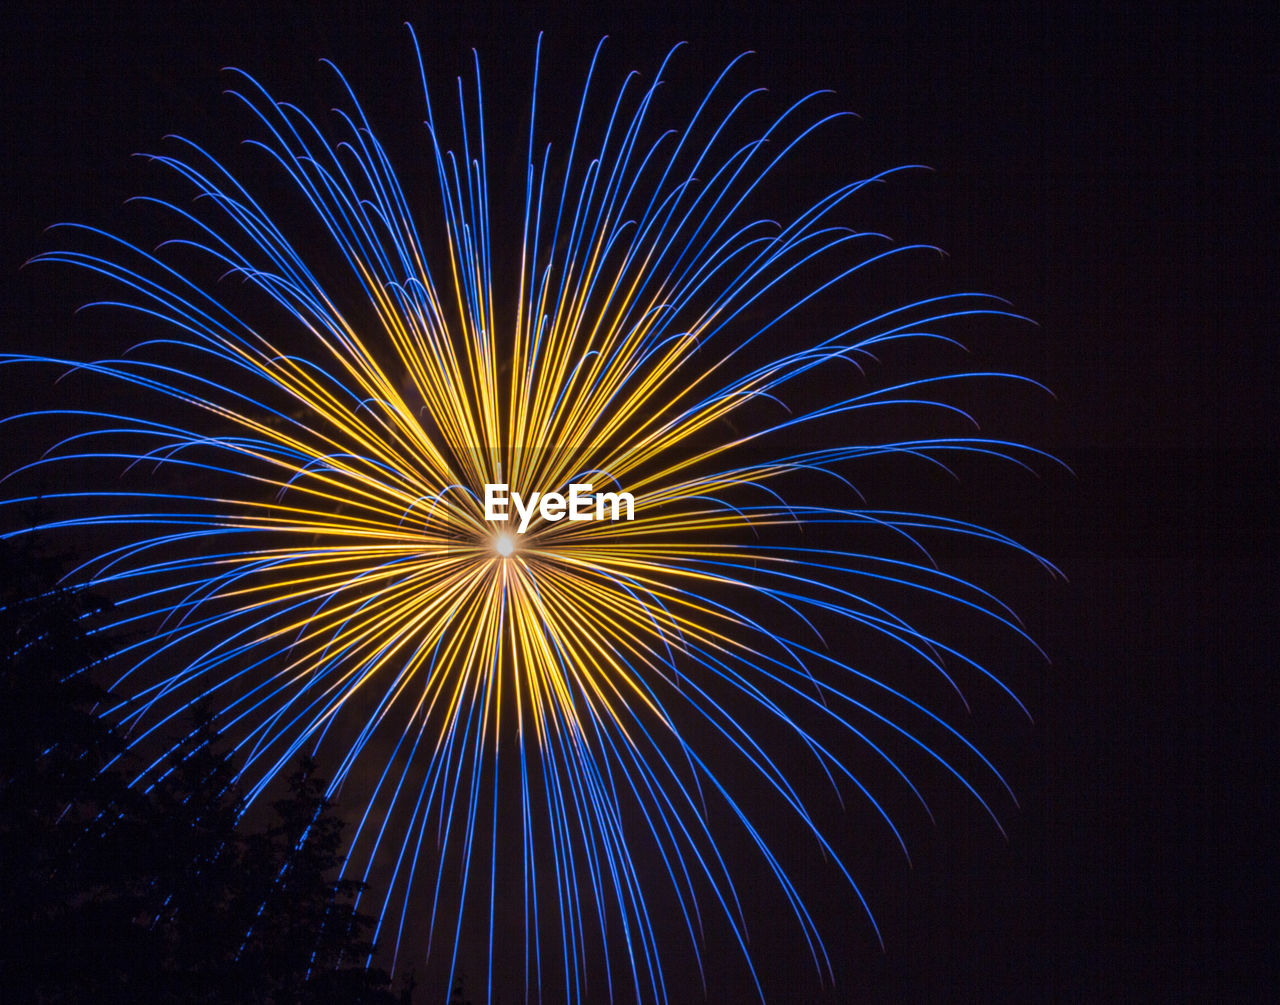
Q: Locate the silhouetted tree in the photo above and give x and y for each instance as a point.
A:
(69, 908)
(199, 902)
(113, 895)
(307, 939)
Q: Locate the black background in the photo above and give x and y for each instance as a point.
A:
(1112, 172)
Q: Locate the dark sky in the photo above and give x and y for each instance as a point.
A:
(1113, 174)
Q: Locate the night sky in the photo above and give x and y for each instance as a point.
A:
(1113, 175)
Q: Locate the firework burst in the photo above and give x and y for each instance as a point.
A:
(304, 527)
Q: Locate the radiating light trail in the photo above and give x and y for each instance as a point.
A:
(296, 531)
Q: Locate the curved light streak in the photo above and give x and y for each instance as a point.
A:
(307, 552)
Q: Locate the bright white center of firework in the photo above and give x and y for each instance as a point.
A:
(504, 544)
